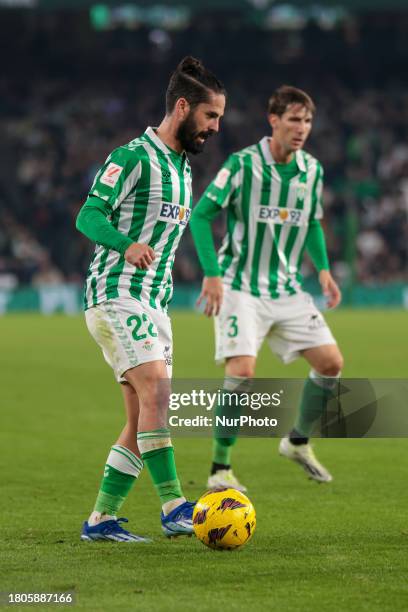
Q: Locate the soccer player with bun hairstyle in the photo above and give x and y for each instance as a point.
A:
(272, 192)
(192, 89)
(136, 211)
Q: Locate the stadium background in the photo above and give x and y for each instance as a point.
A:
(65, 105)
(76, 82)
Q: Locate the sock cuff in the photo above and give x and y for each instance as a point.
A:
(325, 382)
(124, 460)
(153, 433)
(237, 383)
(156, 439)
(157, 451)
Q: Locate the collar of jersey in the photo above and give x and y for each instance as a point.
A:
(159, 144)
(266, 152)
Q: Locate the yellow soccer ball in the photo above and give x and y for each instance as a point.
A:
(224, 519)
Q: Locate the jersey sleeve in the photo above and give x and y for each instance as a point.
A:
(225, 187)
(92, 222)
(200, 225)
(317, 195)
(117, 177)
(316, 246)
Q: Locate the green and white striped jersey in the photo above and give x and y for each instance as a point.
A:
(147, 187)
(267, 219)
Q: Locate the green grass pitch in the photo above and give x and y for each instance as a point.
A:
(338, 547)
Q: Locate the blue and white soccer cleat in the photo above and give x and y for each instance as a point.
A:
(179, 521)
(110, 530)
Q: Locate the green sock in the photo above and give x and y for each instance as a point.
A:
(158, 454)
(222, 449)
(317, 392)
(121, 470)
(225, 436)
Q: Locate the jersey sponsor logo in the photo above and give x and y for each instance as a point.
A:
(281, 216)
(111, 175)
(222, 177)
(174, 213)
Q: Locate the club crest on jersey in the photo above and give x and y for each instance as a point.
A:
(174, 213)
(301, 191)
(281, 216)
(111, 174)
(166, 176)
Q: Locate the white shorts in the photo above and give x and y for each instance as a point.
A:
(290, 325)
(130, 333)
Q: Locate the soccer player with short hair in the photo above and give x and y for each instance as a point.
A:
(136, 211)
(272, 192)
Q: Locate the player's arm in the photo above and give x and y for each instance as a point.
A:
(217, 196)
(317, 249)
(112, 183)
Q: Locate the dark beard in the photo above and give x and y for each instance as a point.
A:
(187, 135)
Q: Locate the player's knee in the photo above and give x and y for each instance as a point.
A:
(245, 373)
(240, 367)
(155, 394)
(333, 366)
(241, 371)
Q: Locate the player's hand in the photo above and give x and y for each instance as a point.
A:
(212, 293)
(140, 255)
(330, 289)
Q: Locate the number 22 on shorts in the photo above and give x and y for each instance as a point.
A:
(141, 324)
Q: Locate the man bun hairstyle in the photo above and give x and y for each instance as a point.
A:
(286, 95)
(193, 81)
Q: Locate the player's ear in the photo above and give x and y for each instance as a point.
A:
(182, 108)
(273, 120)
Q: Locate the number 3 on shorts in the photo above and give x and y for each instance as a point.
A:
(233, 326)
(139, 322)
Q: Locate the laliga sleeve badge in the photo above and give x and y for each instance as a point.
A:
(222, 178)
(111, 175)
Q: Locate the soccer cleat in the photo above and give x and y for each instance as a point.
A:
(225, 479)
(179, 521)
(303, 455)
(110, 530)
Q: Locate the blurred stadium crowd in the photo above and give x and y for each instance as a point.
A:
(71, 94)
